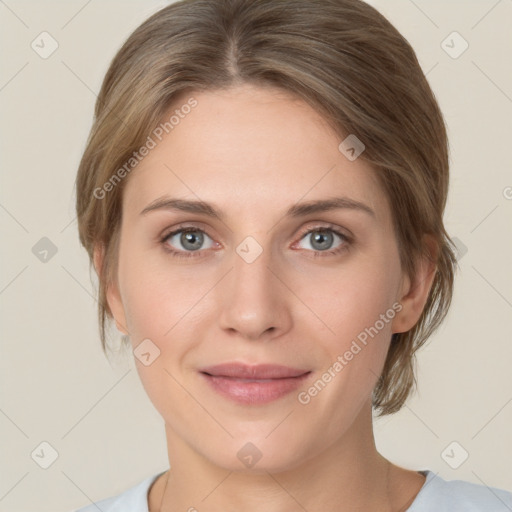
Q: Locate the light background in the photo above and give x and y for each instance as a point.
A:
(56, 385)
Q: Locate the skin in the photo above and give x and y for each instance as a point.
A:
(253, 152)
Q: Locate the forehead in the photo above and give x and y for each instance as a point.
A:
(249, 149)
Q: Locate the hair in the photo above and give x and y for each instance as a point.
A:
(344, 59)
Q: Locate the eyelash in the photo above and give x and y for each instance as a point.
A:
(347, 241)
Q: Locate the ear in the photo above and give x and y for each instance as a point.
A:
(414, 294)
(112, 292)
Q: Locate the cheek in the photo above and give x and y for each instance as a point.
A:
(157, 306)
(352, 299)
(358, 308)
(156, 296)
(359, 313)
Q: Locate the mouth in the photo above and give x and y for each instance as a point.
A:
(253, 385)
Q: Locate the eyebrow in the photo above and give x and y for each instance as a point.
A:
(296, 210)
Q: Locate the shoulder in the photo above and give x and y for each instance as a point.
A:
(459, 496)
(133, 499)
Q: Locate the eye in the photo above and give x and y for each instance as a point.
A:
(186, 240)
(321, 239)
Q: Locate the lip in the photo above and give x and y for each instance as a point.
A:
(253, 384)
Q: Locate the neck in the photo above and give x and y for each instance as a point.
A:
(350, 472)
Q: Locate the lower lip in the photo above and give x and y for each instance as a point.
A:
(254, 392)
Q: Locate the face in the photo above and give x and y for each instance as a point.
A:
(318, 291)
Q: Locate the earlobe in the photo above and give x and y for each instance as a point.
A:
(98, 258)
(415, 291)
(112, 293)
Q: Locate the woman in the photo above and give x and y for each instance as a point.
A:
(262, 197)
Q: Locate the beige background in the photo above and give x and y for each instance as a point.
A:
(56, 385)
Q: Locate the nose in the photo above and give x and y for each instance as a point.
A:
(254, 302)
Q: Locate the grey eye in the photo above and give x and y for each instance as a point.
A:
(190, 240)
(321, 239)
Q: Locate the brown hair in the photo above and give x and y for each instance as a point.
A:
(343, 58)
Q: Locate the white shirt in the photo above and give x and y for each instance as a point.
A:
(436, 495)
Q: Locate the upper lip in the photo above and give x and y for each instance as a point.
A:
(259, 371)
